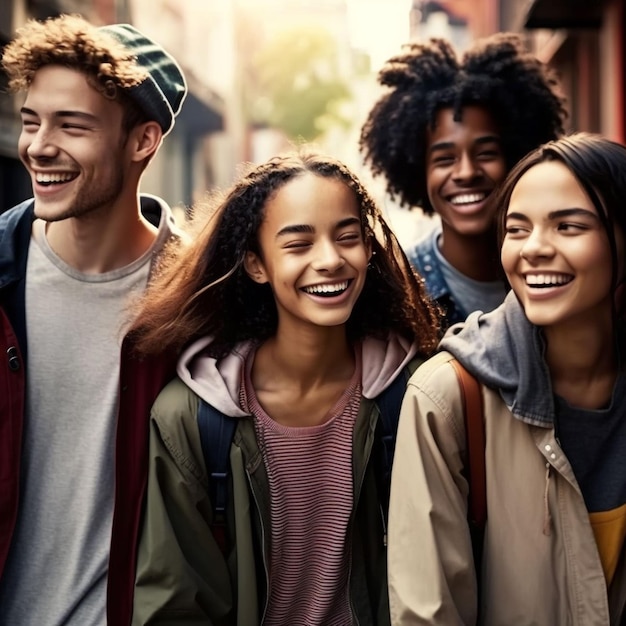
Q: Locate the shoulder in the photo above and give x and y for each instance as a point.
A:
(158, 213)
(422, 252)
(176, 399)
(436, 376)
(423, 257)
(17, 215)
(436, 370)
(174, 417)
(15, 231)
(434, 387)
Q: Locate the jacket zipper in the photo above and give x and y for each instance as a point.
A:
(384, 523)
(263, 543)
(357, 495)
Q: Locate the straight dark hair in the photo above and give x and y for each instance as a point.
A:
(599, 165)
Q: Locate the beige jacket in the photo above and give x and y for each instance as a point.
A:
(540, 564)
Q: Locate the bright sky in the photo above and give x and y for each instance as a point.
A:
(379, 26)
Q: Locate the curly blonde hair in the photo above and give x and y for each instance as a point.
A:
(71, 41)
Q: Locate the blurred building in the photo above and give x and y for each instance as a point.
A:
(184, 166)
(459, 21)
(200, 35)
(584, 41)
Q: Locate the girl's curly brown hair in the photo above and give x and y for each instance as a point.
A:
(203, 289)
(519, 91)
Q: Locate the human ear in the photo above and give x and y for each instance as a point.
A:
(144, 140)
(254, 268)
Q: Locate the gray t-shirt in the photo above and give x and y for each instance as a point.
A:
(56, 572)
(469, 294)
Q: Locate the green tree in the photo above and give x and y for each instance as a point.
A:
(294, 83)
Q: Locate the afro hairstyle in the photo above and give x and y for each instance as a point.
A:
(497, 73)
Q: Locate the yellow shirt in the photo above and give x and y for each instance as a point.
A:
(609, 528)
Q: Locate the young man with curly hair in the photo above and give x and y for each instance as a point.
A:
(74, 400)
(444, 135)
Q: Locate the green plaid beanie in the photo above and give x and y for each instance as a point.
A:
(162, 93)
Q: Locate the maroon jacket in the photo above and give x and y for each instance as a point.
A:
(140, 382)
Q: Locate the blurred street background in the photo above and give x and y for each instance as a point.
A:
(268, 74)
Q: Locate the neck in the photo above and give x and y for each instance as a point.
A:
(307, 359)
(474, 256)
(582, 363)
(102, 241)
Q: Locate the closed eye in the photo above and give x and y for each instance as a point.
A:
(296, 245)
(74, 127)
(515, 229)
(443, 159)
(489, 154)
(354, 237)
(571, 227)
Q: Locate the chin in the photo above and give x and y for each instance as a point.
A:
(478, 231)
(539, 316)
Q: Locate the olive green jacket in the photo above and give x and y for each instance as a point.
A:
(183, 577)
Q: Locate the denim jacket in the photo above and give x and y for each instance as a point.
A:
(424, 259)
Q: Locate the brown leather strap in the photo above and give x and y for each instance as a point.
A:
(475, 432)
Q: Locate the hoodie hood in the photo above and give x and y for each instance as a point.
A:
(218, 382)
(504, 351)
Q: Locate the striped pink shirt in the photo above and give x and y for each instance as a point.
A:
(311, 495)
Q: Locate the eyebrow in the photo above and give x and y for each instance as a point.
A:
(449, 145)
(555, 215)
(308, 229)
(79, 114)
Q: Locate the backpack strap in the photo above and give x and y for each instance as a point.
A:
(389, 402)
(475, 433)
(216, 435)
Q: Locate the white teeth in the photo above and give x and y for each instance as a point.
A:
(58, 177)
(547, 279)
(468, 198)
(335, 288)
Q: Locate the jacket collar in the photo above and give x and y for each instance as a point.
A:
(15, 230)
(16, 226)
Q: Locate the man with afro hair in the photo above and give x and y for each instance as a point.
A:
(445, 134)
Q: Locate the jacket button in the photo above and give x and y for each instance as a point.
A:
(14, 362)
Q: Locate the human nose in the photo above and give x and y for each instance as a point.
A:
(40, 144)
(465, 168)
(328, 257)
(537, 244)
